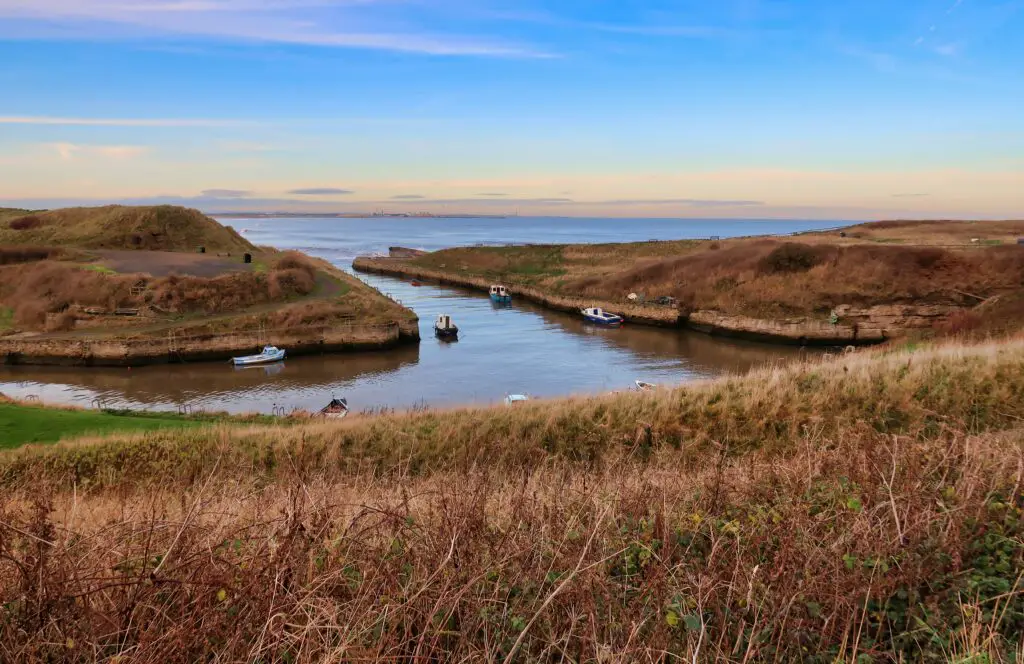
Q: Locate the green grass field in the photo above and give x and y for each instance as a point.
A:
(28, 424)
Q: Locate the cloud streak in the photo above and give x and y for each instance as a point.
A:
(72, 151)
(226, 193)
(321, 191)
(325, 23)
(119, 122)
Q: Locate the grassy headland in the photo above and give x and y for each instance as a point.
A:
(108, 278)
(865, 508)
(883, 277)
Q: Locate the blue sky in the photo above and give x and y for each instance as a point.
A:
(732, 108)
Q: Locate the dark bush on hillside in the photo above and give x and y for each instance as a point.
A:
(12, 255)
(791, 257)
(292, 260)
(926, 258)
(25, 223)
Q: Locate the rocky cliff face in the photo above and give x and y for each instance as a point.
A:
(893, 318)
(852, 325)
(796, 330)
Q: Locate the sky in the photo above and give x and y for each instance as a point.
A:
(807, 109)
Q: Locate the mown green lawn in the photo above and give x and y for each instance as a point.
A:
(29, 424)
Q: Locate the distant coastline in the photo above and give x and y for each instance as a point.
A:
(350, 215)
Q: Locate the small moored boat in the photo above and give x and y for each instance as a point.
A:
(513, 399)
(601, 317)
(645, 387)
(337, 409)
(269, 354)
(444, 328)
(500, 294)
(415, 283)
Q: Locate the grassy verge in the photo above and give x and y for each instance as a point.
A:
(21, 424)
(862, 510)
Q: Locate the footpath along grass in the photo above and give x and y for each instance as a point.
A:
(865, 509)
(31, 424)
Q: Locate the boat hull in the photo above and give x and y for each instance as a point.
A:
(449, 333)
(501, 299)
(253, 360)
(606, 322)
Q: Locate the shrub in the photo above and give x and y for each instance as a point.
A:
(25, 223)
(12, 255)
(791, 257)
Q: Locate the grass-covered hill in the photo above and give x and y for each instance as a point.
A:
(160, 228)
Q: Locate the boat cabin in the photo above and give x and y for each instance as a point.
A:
(499, 291)
(444, 322)
(596, 312)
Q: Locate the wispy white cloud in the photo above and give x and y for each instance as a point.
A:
(328, 23)
(120, 122)
(949, 50)
(71, 151)
(953, 8)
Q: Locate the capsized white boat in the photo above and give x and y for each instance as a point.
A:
(269, 354)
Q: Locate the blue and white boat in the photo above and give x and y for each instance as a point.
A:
(500, 294)
(513, 399)
(599, 316)
(269, 354)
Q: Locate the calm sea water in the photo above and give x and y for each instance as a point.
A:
(518, 349)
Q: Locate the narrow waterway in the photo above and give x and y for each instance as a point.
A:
(521, 348)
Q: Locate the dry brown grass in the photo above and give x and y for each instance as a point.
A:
(51, 287)
(756, 277)
(884, 524)
(18, 254)
(164, 227)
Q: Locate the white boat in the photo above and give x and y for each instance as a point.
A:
(645, 387)
(513, 399)
(601, 317)
(269, 354)
(444, 328)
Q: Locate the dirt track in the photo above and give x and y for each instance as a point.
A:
(165, 263)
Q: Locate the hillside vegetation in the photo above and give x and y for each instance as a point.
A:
(135, 273)
(10, 213)
(861, 509)
(163, 228)
(884, 263)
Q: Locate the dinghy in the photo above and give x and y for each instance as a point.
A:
(513, 399)
(336, 410)
(444, 328)
(269, 354)
(599, 316)
(645, 387)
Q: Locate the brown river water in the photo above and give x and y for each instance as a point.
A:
(519, 349)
